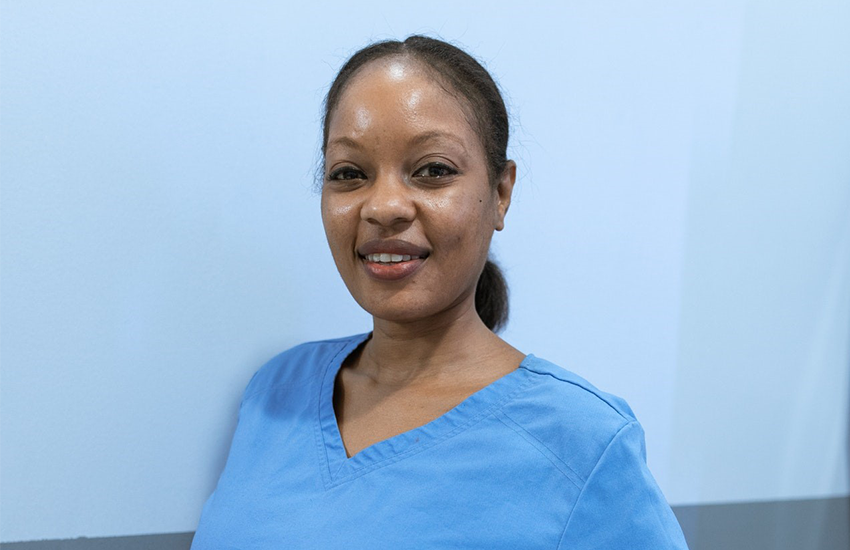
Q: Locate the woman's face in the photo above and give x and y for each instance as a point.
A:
(406, 203)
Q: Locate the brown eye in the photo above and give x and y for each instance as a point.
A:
(346, 173)
(435, 170)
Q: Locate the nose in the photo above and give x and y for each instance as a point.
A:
(389, 202)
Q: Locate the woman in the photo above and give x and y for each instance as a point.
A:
(430, 431)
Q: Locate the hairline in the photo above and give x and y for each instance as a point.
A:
(466, 106)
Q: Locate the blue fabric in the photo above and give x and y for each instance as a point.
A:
(538, 459)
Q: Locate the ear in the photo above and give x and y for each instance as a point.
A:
(504, 191)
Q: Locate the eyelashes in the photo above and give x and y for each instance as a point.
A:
(346, 173)
(429, 171)
(435, 170)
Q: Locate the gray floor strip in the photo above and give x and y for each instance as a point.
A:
(170, 541)
(821, 524)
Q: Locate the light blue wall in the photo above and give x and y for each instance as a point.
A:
(680, 236)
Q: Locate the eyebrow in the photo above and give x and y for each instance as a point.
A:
(345, 142)
(420, 139)
(437, 135)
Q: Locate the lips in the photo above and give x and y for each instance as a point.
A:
(391, 259)
(391, 246)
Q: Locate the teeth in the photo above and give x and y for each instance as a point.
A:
(390, 258)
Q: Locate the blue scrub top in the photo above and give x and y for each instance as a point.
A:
(538, 459)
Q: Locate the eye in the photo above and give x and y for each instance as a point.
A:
(345, 173)
(435, 170)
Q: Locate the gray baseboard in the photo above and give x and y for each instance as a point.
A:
(819, 524)
(168, 541)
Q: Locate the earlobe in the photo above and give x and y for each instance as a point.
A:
(504, 190)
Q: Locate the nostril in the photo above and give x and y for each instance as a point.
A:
(388, 210)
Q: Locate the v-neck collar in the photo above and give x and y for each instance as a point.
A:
(338, 468)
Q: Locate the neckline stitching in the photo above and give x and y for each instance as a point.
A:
(321, 442)
(480, 416)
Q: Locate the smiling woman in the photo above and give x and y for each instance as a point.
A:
(407, 175)
(430, 431)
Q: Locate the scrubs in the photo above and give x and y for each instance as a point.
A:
(539, 459)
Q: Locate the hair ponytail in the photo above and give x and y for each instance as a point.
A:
(491, 297)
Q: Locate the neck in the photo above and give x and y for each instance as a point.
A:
(426, 351)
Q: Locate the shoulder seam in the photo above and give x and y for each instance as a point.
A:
(595, 466)
(574, 477)
(625, 417)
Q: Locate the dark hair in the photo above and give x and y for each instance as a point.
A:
(470, 82)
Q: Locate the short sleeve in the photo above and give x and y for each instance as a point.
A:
(621, 506)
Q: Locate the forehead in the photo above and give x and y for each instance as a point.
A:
(398, 94)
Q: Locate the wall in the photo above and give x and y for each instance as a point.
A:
(680, 234)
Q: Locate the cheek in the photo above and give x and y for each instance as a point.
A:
(465, 220)
(462, 207)
(338, 217)
(333, 207)
(338, 209)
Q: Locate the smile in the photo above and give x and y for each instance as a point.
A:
(390, 258)
(382, 266)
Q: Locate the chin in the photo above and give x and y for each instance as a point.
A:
(399, 310)
(399, 315)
